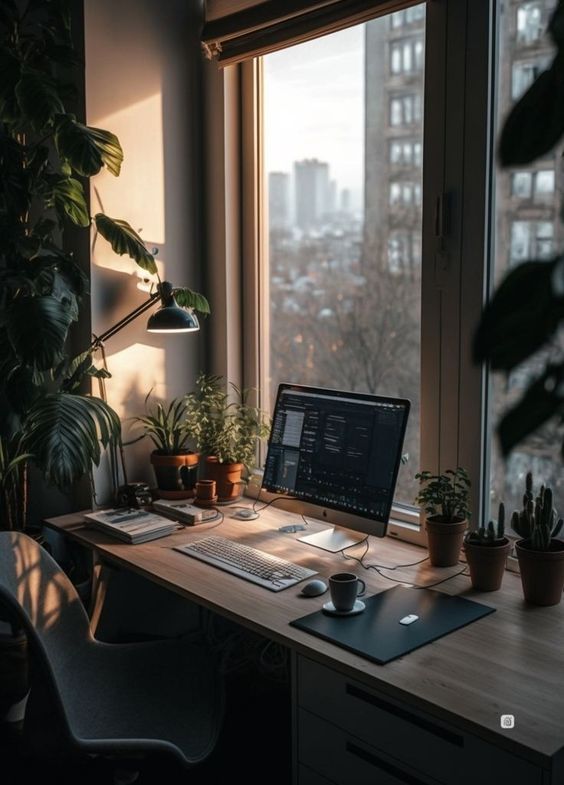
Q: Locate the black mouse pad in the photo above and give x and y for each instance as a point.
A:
(376, 632)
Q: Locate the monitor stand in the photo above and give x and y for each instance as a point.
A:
(333, 540)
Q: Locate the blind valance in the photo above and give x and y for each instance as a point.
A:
(237, 30)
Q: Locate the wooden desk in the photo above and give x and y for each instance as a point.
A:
(431, 716)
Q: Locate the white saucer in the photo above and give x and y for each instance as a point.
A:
(358, 607)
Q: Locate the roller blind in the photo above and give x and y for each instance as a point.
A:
(237, 30)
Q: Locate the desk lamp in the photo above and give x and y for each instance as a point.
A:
(170, 317)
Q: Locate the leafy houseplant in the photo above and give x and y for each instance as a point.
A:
(45, 154)
(226, 431)
(486, 551)
(445, 499)
(175, 465)
(540, 554)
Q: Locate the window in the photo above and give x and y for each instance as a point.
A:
(529, 23)
(538, 185)
(527, 228)
(345, 285)
(405, 110)
(407, 17)
(524, 74)
(406, 56)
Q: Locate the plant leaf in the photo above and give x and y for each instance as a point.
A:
(65, 433)
(38, 98)
(522, 314)
(37, 329)
(540, 402)
(88, 149)
(186, 298)
(10, 70)
(68, 199)
(525, 137)
(125, 240)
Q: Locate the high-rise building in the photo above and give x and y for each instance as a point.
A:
(279, 200)
(312, 192)
(394, 63)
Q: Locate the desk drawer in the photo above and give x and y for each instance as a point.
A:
(412, 738)
(346, 760)
(307, 776)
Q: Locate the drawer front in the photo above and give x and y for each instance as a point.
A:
(346, 760)
(307, 776)
(410, 737)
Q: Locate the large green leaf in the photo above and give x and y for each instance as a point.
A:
(88, 149)
(37, 329)
(542, 401)
(521, 316)
(68, 199)
(536, 122)
(65, 433)
(38, 98)
(188, 299)
(125, 240)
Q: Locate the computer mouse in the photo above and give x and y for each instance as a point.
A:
(246, 514)
(314, 588)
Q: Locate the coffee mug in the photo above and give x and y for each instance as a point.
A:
(205, 489)
(345, 587)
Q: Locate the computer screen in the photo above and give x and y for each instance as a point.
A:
(339, 451)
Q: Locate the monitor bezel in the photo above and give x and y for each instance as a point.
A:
(332, 513)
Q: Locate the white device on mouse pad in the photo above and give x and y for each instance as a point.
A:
(245, 514)
(409, 619)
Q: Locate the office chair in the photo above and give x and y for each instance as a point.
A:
(117, 700)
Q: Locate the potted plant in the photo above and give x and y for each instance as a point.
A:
(174, 464)
(445, 499)
(47, 415)
(486, 552)
(540, 554)
(225, 431)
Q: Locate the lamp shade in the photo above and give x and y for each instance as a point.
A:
(171, 318)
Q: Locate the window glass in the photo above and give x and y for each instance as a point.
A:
(527, 227)
(345, 273)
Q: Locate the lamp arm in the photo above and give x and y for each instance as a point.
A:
(98, 340)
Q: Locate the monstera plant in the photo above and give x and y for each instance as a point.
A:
(46, 156)
(526, 311)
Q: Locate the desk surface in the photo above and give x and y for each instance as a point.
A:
(511, 662)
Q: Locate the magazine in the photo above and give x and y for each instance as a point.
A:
(131, 524)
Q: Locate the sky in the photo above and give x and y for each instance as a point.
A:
(314, 107)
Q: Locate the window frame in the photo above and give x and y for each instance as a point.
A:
(456, 234)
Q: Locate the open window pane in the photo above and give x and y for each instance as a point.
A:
(343, 156)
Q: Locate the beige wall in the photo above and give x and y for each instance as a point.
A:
(143, 67)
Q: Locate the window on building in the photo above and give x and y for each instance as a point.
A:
(344, 279)
(533, 185)
(531, 240)
(524, 74)
(530, 26)
(405, 110)
(406, 56)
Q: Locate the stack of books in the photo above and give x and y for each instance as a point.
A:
(185, 512)
(131, 525)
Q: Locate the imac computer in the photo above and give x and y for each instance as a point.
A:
(337, 454)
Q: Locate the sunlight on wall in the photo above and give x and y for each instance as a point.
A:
(137, 195)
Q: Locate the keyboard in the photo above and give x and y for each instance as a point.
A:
(248, 563)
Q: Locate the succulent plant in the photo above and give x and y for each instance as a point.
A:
(492, 534)
(538, 520)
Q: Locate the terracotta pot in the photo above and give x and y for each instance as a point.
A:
(444, 540)
(205, 489)
(176, 473)
(227, 477)
(542, 572)
(486, 564)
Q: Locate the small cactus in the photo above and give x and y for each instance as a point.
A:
(492, 534)
(538, 520)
